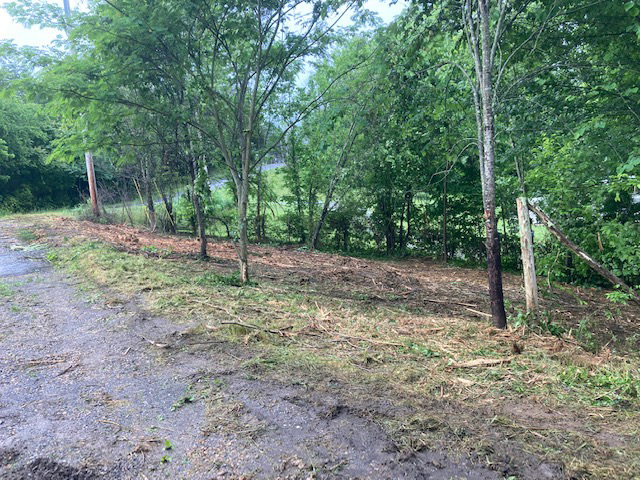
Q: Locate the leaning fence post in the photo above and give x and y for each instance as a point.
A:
(528, 264)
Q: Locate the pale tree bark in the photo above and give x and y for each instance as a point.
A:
(483, 46)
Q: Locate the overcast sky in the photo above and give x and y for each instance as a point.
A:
(36, 36)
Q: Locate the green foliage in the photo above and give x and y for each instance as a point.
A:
(542, 322)
(216, 279)
(615, 387)
(619, 297)
(182, 401)
(422, 350)
(379, 142)
(153, 250)
(27, 180)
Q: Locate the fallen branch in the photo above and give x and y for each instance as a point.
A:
(370, 340)
(477, 312)
(482, 362)
(155, 344)
(442, 302)
(110, 422)
(362, 339)
(447, 302)
(556, 232)
(68, 369)
(256, 327)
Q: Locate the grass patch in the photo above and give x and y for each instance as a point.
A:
(26, 235)
(458, 378)
(211, 279)
(5, 290)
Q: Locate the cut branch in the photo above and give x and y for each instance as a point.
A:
(556, 232)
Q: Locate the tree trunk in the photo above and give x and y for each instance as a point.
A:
(263, 226)
(325, 208)
(528, 262)
(150, 207)
(91, 178)
(311, 209)
(197, 207)
(401, 232)
(316, 231)
(148, 193)
(243, 249)
(491, 225)
(345, 237)
(192, 218)
(168, 205)
(335, 178)
(390, 236)
(504, 232)
(258, 221)
(409, 196)
(242, 184)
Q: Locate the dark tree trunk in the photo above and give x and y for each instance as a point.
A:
(390, 237)
(197, 207)
(148, 194)
(297, 191)
(568, 266)
(243, 250)
(168, 205)
(409, 197)
(345, 237)
(258, 221)
(401, 232)
(311, 204)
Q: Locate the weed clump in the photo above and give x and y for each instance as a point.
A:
(210, 279)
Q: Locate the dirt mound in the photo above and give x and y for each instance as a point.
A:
(45, 469)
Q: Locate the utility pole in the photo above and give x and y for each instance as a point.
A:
(88, 156)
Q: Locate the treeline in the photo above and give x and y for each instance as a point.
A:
(409, 138)
(27, 180)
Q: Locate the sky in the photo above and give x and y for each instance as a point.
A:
(40, 37)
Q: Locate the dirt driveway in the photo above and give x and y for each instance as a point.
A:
(93, 387)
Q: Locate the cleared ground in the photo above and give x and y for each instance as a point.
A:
(131, 358)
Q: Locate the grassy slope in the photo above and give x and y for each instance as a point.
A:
(460, 382)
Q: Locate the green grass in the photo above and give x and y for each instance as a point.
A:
(5, 290)
(26, 235)
(215, 279)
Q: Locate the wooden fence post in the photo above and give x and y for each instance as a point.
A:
(528, 264)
